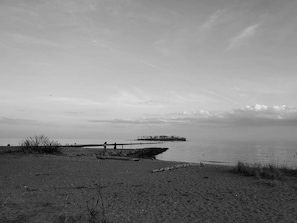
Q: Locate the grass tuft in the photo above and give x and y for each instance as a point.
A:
(269, 171)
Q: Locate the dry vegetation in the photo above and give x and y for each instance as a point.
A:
(269, 171)
(40, 144)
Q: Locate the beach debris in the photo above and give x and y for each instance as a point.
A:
(175, 167)
(117, 158)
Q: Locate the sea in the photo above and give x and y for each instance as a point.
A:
(222, 152)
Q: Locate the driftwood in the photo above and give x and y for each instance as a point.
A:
(116, 158)
(176, 167)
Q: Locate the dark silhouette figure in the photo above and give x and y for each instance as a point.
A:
(115, 146)
(104, 146)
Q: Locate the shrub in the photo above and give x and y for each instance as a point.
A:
(40, 144)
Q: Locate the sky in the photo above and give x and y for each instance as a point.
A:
(126, 68)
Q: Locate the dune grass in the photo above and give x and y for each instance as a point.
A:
(269, 171)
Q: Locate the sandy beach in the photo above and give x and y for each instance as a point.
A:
(72, 187)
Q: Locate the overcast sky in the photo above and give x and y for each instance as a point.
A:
(83, 68)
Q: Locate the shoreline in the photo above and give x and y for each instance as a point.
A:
(51, 188)
(74, 149)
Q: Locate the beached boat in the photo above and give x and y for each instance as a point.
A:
(145, 153)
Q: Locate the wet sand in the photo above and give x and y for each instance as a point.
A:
(50, 188)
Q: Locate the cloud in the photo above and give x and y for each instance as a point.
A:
(118, 102)
(264, 112)
(128, 55)
(17, 121)
(151, 65)
(137, 97)
(256, 115)
(76, 101)
(221, 96)
(28, 40)
(238, 40)
(146, 122)
(212, 20)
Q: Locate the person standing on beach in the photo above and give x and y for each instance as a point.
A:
(115, 146)
(104, 146)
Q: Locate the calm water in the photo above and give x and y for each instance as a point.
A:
(229, 153)
(220, 152)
